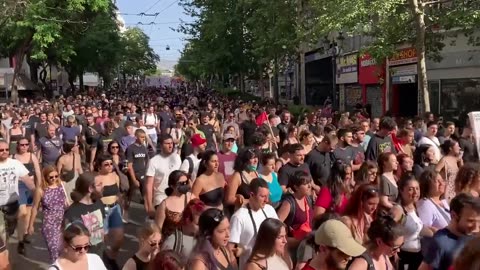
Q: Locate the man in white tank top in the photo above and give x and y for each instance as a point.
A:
(152, 124)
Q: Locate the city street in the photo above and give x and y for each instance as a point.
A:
(37, 254)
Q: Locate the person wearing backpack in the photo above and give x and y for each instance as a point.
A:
(296, 209)
(335, 246)
(183, 240)
(385, 240)
(191, 162)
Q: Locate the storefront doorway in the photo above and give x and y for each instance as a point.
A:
(407, 96)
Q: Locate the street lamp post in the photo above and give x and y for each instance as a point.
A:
(334, 48)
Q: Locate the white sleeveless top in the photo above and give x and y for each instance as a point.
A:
(276, 263)
(94, 263)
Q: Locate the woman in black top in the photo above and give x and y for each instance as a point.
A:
(148, 239)
(245, 167)
(423, 158)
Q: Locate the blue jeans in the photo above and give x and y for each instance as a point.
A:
(113, 219)
(154, 138)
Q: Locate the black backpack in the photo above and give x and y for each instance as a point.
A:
(291, 200)
(366, 257)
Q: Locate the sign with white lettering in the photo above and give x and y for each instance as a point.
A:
(347, 69)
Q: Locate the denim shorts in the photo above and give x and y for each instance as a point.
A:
(25, 195)
(114, 217)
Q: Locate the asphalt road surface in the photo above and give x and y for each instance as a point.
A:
(37, 255)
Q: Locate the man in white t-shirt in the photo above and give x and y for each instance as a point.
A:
(431, 139)
(246, 221)
(158, 170)
(11, 172)
(152, 123)
(191, 162)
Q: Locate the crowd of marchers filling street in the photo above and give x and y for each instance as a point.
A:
(185, 178)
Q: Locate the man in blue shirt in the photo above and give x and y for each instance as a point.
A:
(447, 243)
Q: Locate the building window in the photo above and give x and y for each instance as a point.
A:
(459, 95)
(434, 90)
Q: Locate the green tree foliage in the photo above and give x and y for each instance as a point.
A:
(38, 24)
(138, 58)
(237, 38)
(393, 22)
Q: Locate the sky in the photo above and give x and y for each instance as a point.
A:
(161, 35)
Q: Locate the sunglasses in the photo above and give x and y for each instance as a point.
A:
(396, 248)
(108, 164)
(16, 123)
(4, 150)
(51, 177)
(114, 147)
(219, 216)
(182, 183)
(79, 249)
(24, 144)
(154, 244)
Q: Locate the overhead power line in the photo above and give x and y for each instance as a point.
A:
(152, 6)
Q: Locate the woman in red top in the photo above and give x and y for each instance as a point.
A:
(334, 196)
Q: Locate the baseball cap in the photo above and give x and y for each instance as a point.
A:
(228, 136)
(335, 234)
(197, 140)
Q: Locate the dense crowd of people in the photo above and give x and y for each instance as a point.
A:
(229, 184)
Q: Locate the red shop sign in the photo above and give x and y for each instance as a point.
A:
(369, 71)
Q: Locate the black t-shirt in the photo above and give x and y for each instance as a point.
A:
(92, 134)
(166, 121)
(40, 130)
(93, 217)
(28, 126)
(470, 153)
(320, 165)
(209, 132)
(379, 145)
(248, 127)
(138, 156)
(283, 131)
(288, 171)
(103, 141)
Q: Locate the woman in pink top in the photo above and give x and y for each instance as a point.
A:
(334, 196)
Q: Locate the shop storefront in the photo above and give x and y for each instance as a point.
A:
(350, 92)
(454, 83)
(404, 86)
(318, 78)
(371, 78)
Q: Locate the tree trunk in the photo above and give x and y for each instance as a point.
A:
(418, 9)
(19, 57)
(33, 69)
(300, 85)
(275, 80)
(43, 79)
(80, 82)
(71, 81)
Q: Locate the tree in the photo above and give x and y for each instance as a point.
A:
(393, 22)
(238, 39)
(273, 28)
(138, 58)
(37, 24)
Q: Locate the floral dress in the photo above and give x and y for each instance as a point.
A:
(449, 174)
(53, 205)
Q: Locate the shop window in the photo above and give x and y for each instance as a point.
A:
(434, 90)
(459, 95)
